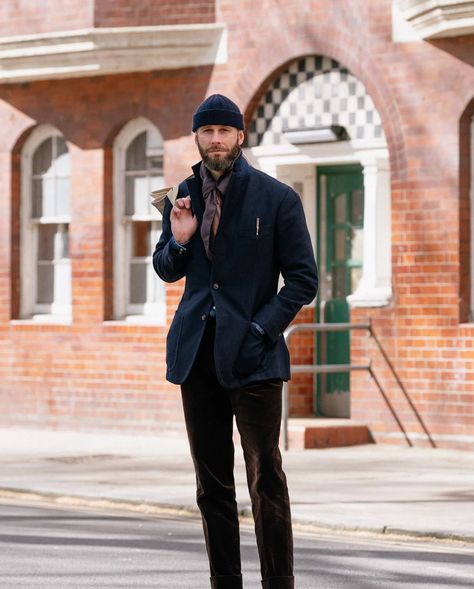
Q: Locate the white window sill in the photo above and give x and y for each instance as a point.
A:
(44, 319)
(138, 320)
(374, 297)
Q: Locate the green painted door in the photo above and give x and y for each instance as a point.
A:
(340, 227)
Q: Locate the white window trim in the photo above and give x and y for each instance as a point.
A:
(154, 313)
(29, 310)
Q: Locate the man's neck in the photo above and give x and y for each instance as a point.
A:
(216, 174)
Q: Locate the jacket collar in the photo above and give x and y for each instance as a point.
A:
(233, 196)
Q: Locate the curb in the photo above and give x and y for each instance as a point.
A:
(245, 516)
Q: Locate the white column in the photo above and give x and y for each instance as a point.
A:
(375, 286)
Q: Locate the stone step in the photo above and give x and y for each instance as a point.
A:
(321, 432)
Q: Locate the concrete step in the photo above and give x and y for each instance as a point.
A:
(323, 432)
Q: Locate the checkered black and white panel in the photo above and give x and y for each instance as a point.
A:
(315, 91)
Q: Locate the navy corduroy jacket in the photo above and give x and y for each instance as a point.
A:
(262, 233)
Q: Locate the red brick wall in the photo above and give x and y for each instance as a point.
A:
(95, 373)
(26, 17)
(420, 89)
(123, 13)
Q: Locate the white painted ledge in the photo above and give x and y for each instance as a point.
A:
(370, 297)
(436, 18)
(100, 51)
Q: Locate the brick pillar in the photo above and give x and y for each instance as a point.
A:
(86, 237)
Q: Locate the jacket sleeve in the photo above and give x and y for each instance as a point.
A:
(169, 263)
(297, 266)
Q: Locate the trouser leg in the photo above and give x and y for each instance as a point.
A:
(257, 409)
(209, 423)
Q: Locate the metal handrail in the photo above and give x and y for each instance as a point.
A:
(336, 368)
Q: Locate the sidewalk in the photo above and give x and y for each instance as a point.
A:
(382, 489)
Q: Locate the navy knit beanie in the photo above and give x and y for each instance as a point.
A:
(218, 110)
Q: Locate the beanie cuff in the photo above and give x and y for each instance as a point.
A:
(218, 117)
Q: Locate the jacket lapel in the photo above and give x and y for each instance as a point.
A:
(195, 190)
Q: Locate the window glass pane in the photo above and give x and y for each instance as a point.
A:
(141, 232)
(340, 244)
(61, 147)
(340, 215)
(45, 283)
(62, 197)
(50, 183)
(356, 275)
(44, 204)
(357, 206)
(357, 244)
(155, 164)
(62, 243)
(46, 237)
(62, 274)
(138, 272)
(43, 157)
(60, 165)
(156, 182)
(339, 282)
(136, 154)
(48, 200)
(37, 205)
(137, 195)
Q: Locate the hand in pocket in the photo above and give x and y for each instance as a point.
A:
(251, 352)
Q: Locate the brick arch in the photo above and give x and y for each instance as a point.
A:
(465, 212)
(302, 39)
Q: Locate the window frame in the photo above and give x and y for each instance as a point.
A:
(148, 312)
(29, 308)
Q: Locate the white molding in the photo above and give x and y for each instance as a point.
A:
(99, 51)
(433, 18)
(28, 240)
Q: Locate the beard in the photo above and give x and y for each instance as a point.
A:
(217, 162)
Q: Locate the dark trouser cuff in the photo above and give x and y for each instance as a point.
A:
(227, 582)
(278, 583)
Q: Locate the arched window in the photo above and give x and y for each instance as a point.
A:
(138, 169)
(45, 219)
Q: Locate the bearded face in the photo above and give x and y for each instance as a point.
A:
(219, 146)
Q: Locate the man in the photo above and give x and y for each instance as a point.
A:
(231, 234)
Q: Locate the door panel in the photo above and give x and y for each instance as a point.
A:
(340, 238)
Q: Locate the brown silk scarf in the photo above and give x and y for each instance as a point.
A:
(212, 192)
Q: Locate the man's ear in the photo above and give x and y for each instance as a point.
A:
(241, 137)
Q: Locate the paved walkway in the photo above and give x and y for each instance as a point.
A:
(376, 488)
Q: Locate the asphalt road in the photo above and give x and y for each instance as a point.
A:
(48, 547)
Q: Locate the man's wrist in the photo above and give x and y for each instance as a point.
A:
(178, 246)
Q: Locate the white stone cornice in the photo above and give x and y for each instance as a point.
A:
(101, 51)
(438, 18)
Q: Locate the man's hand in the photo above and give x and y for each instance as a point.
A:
(183, 222)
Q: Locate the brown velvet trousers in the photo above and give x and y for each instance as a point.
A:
(209, 410)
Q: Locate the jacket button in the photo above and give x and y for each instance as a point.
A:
(203, 317)
(215, 286)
